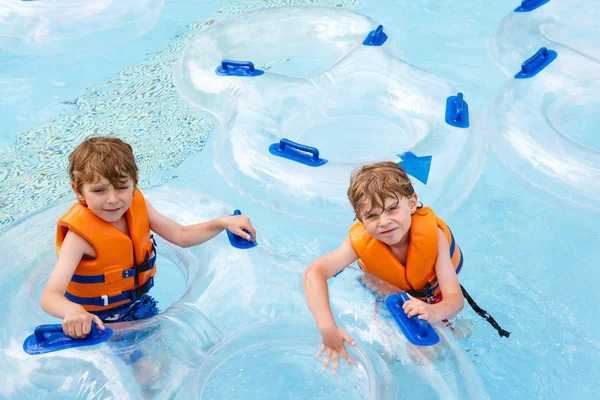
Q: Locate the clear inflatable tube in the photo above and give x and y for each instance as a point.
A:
(211, 329)
(154, 355)
(367, 106)
(205, 294)
(527, 124)
(441, 371)
(287, 347)
(56, 26)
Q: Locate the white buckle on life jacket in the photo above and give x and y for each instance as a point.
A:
(104, 300)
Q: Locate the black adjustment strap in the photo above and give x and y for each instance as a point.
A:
(420, 293)
(484, 314)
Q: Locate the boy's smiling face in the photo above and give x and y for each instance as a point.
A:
(106, 201)
(390, 224)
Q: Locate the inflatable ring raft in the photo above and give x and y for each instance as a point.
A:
(291, 142)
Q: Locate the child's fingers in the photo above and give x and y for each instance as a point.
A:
(98, 322)
(86, 328)
(79, 329)
(250, 229)
(320, 351)
(327, 358)
(68, 329)
(412, 311)
(240, 232)
(346, 356)
(335, 364)
(348, 339)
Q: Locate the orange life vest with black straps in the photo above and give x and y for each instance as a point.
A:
(419, 273)
(124, 266)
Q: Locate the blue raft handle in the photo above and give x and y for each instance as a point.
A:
(376, 37)
(296, 152)
(416, 331)
(302, 147)
(534, 64)
(530, 5)
(41, 331)
(237, 241)
(422, 324)
(457, 111)
(238, 68)
(49, 338)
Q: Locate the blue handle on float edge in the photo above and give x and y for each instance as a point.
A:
(297, 152)
(238, 68)
(376, 37)
(417, 331)
(416, 166)
(533, 65)
(457, 111)
(49, 338)
(530, 5)
(237, 241)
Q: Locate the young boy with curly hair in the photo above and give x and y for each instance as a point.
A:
(106, 253)
(396, 240)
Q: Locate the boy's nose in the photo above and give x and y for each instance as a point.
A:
(112, 197)
(383, 219)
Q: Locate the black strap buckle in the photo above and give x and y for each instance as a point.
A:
(145, 266)
(423, 294)
(136, 293)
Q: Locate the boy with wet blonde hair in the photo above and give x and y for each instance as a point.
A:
(106, 253)
(396, 240)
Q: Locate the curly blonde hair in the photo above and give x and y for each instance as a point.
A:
(373, 183)
(98, 157)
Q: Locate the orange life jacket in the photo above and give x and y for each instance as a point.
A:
(419, 273)
(124, 266)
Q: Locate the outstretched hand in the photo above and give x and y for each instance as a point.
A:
(333, 346)
(239, 225)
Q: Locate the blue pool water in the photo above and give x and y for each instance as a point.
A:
(235, 324)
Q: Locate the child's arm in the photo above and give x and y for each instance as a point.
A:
(77, 322)
(191, 235)
(452, 298)
(317, 297)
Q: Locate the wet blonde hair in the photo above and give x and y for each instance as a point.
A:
(102, 157)
(373, 183)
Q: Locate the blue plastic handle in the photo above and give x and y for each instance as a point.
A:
(536, 63)
(459, 107)
(530, 5)
(41, 331)
(237, 241)
(376, 37)
(302, 147)
(457, 111)
(238, 68)
(297, 152)
(226, 64)
(532, 62)
(423, 325)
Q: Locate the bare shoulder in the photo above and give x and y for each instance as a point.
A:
(75, 244)
(346, 249)
(442, 239)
